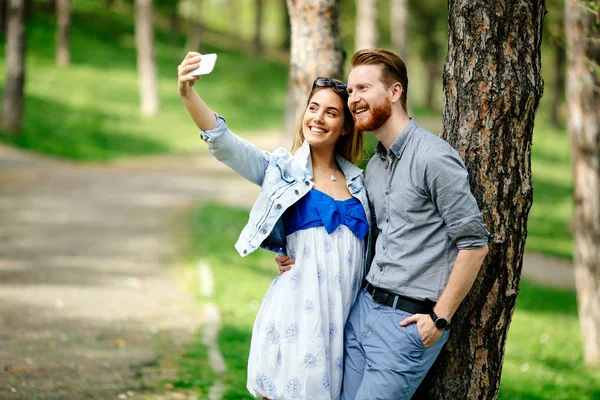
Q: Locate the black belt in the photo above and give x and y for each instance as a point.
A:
(407, 304)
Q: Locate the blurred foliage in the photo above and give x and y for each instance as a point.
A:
(90, 110)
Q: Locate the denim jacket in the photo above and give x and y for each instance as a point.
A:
(284, 178)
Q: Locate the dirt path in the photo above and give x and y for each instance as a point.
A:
(87, 296)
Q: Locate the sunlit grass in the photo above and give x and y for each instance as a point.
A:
(550, 218)
(544, 358)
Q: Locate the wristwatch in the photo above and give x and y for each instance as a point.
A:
(440, 322)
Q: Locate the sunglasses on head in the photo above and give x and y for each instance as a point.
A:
(339, 87)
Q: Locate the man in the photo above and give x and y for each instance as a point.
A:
(428, 234)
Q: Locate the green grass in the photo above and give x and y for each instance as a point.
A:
(90, 110)
(550, 218)
(543, 358)
(239, 285)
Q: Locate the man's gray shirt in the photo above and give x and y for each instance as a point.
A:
(423, 213)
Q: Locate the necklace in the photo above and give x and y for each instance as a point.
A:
(331, 176)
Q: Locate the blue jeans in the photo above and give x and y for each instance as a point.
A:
(383, 360)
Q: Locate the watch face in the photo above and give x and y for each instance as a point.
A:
(441, 323)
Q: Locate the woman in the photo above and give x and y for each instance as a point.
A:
(313, 207)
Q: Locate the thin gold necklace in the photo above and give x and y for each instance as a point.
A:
(331, 176)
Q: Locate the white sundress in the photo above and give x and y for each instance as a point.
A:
(297, 347)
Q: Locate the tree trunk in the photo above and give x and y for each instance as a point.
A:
(316, 50)
(493, 86)
(63, 53)
(174, 23)
(234, 17)
(258, 21)
(366, 35)
(147, 75)
(287, 29)
(399, 26)
(559, 84)
(583, 84)
(3, 16)
(432, 79)
(194, 39)
(12, 107)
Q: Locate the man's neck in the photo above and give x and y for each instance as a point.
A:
(392, 129)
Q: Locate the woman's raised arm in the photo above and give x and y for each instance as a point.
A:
(199, 111)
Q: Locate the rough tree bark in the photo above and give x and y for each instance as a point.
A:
(316, 50)
(399, 26)
(583, 87)
(147, 75)
(12, 106)
(63, 52)
(366, 35)
(493, 85)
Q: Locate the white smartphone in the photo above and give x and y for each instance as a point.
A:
(207, 63)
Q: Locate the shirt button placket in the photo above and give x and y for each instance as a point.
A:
(387, 210)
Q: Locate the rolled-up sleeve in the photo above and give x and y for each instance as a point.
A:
(447, 182)
(218, 130)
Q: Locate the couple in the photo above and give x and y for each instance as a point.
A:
(321, 333)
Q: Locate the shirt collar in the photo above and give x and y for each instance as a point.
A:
(397, 148)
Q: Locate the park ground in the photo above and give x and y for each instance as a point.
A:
(96, 299)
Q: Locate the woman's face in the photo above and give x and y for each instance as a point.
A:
(323, 121)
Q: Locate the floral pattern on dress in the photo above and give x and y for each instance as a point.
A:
(310, 360)
(293, 388)
(297, 340)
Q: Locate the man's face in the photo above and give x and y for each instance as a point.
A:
(368, 99)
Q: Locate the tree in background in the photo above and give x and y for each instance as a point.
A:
(583, 88)
(234, 17)
(287, 29)
(493, 86)
(399, 26)
(258, 21)
(3, 15)
(12, 106)
(429, 23)
(63, 52)
(194, 38)
(316, 50)
(554, 36)
(144, 40)
(366, 35)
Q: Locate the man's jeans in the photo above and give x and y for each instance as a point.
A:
(382, 359)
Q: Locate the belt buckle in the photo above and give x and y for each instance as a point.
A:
(380, 296)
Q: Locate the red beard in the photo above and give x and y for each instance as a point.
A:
(380, 113)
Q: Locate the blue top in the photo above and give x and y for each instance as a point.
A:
(320, 209)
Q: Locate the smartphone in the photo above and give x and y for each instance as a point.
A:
(207, 63)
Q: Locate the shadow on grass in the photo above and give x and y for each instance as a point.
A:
(79, 133)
